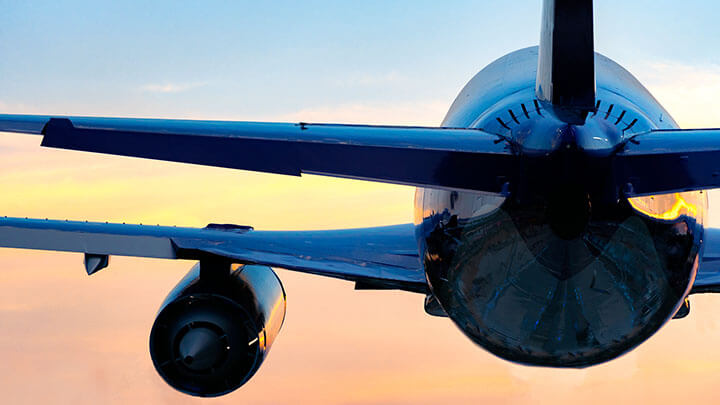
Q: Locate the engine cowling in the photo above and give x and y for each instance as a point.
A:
(213, 331)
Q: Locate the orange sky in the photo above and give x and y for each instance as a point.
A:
(72, 338)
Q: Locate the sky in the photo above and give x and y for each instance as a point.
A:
(66, 337)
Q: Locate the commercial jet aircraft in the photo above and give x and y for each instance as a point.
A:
(558, 215)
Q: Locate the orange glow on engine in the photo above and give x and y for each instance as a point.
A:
(671, 206)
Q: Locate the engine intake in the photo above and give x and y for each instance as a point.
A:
(214, 330)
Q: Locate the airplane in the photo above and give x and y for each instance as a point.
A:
(559, 215)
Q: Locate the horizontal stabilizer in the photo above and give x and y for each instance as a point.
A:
(451, 158)
(665, 161)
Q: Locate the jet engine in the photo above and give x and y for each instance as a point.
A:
(216, 327)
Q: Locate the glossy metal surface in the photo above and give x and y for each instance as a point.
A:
(561, 271)
(417, 156)
(626, 138)
(671, 160)
(216, 327)
(567, 35)
(383, 255)
(708, 275)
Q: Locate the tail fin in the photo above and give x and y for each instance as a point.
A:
(566, 61)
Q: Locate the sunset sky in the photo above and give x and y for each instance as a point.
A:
(69, 338)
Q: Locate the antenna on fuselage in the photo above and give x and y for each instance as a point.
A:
(566, 59)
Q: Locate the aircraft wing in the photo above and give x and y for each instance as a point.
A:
(418, 156)
(669, 160)
(381, 257)
(708, 275)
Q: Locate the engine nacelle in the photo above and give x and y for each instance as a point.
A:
(213, 332)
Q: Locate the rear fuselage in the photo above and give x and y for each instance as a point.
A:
(562, 269)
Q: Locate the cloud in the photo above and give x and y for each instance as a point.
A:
(688, 92)
(171, 87)
(19, 108)
(361, 79)
(428, 112)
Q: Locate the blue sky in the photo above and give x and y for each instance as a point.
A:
(250, 59)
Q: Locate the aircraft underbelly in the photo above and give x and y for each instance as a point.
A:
(525, 293)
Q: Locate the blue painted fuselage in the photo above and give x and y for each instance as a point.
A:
(561, 269)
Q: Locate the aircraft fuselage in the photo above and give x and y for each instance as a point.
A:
(562, 269)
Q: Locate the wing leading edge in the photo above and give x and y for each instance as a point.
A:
(383, 257)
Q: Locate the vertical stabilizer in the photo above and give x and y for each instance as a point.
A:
(566, 61)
